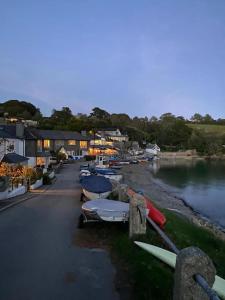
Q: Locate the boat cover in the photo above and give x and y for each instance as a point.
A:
(106, 208)
(96, 184)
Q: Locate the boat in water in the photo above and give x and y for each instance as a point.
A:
(96, 187)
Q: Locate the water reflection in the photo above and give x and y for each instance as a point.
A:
(200, 183)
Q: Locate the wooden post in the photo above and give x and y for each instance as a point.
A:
(137, 217)
(122, 192)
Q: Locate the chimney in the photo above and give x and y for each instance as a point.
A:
(84, 132)
(19, 130)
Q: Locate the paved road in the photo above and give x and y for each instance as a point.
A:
(37, 258)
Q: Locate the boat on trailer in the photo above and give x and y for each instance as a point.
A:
(109, 173)
(104, 210)
(96, 187)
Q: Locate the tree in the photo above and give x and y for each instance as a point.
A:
(99, 113)
(207, 119)
(197, 118)
(120, 120)
(19, 109)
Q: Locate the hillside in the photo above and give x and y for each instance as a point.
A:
(209, 130)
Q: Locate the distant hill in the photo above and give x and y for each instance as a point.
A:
(209, 130)
(19, 109)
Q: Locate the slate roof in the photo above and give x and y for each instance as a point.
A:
(13, 158)
(58, 135)
(8, 131)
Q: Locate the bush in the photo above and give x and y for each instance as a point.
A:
(46, 179)
(39, 172)
(60, 156)
(89, 157)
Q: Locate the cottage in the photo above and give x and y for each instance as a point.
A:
(39, 145)
(114, 134)
(42, 144)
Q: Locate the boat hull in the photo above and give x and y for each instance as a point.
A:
(116, 177)
(94, 196)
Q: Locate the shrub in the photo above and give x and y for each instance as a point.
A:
(39, 172)
(46, 179)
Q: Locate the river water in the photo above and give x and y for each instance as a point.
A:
(200, 183)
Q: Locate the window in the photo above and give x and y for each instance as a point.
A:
(39, 145)
(46, 144)
(83, 144)
(59, 143)
(71, 142)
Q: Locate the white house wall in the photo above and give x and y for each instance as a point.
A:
(32, 161)
(18, 147)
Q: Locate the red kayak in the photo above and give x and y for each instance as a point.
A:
(154, 213)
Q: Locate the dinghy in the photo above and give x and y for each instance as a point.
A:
(96, 187)
(109, 173)
(105, 210)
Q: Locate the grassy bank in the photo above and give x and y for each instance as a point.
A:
(146, 276)
(152, 278)
(210, 130)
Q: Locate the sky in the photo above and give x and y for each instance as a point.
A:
(140, 57)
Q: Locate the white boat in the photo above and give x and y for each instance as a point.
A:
(94, 196)
(106, 210)
(116, 177)
(96, 187)
(85, 173)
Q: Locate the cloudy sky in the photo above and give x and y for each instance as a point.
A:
(138, 57)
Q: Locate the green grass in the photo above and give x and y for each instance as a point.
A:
(151, 278)
(218, 130)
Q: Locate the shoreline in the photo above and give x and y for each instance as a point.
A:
(140, 178)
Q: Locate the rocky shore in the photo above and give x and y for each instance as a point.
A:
(140, 178)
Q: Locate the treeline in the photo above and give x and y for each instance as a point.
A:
(170, 132)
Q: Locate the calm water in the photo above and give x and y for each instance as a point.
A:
(200, 183)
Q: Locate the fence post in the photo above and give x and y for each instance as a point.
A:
(192, 261)
(122, 192)
(137, 215)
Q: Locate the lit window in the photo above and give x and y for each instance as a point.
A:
(39, 145)
(83, 144)
(71, 142)
(46, 144)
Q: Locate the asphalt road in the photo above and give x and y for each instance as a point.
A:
(37, 257)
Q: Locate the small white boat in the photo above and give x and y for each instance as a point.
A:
(106, 210)
(94, 196)
(124, 162)
(109, 173)
(116, 177)
(96, 187)
(85, 173)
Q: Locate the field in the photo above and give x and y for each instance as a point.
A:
(212, 130)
